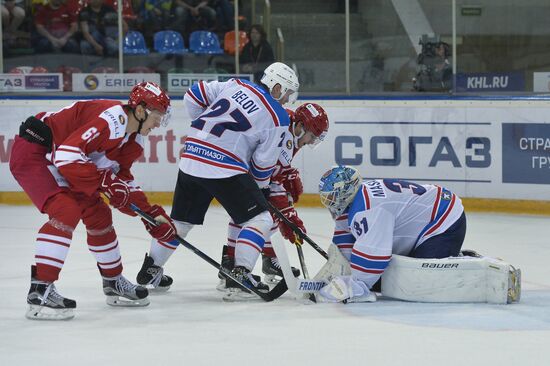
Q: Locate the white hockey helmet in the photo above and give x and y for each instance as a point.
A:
(279, 73)
(338, 188)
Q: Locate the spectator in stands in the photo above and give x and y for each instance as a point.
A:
(225, 14)
(257, 53)
(159, 15)
(99, 25)
(198, 13)
(13, 15)
(55, 28)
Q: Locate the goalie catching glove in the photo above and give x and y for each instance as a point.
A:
(282, 203)
(165, 230)
(346, 289)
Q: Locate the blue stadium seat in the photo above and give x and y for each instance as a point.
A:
(169, 42)
(205, 42)
(134, 44)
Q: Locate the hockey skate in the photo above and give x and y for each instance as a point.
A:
(152, 276)
(236, 292)
(121, 292)
(228, 263)
(272, 270)
(45, 303)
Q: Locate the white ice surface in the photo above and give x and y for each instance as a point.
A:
(190, 325)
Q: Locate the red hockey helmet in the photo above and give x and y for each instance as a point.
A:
(152, 97)
(314, 118)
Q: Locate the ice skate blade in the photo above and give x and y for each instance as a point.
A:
(122, 301)
(238, 295)
(221, 286)
(156, 290)
(37, 312)
(272, 279)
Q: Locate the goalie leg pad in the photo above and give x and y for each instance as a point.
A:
(454, 279)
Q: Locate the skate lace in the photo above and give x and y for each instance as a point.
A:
(275, 262)
(51, 295)
(156, 274)
(122, 285)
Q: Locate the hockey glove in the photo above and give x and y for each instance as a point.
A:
(114, 188)
(293, 184)
(282, 204)
(347, 289)
(165, 230)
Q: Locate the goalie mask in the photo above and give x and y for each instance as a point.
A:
(279, 73)
(338, 188)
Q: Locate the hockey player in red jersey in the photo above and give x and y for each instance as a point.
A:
(309, 126)
(63, 160)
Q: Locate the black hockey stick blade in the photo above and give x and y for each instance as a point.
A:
(275, 293)
(296, 229)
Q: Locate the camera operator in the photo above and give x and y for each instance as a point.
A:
(434, 69)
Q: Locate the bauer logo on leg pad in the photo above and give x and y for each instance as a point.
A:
(440, 265)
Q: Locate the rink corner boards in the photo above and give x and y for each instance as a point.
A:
(529, 207)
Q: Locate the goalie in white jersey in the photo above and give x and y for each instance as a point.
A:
(238, 128)
(377, 218)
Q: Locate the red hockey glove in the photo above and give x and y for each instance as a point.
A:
(282, 204)
(138, 198)
(165, 231)
(114, 188)
(293, 184)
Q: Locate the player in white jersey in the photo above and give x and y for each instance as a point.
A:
(236, 138)
(377, 218)
(308, 126)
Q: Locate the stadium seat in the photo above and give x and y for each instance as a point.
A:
(169, 42)
(104, 70)
(204, 42)
(140, 70)
(68, 72)
(134, 44)
(229, 42)
(39, 70)
(21, 70)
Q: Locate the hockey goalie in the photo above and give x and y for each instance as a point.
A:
(404, 240)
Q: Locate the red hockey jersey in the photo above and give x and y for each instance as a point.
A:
(90, 136)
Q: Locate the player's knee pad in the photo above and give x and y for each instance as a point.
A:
(97, 216)
(182, 228)
(262, 222)
(63, 211)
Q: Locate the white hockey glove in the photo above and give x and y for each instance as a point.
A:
(347, 289)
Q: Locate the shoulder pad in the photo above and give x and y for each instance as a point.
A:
(117, 119)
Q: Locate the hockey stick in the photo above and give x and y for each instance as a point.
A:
(275, 293)
(296, 229)
(303, 265)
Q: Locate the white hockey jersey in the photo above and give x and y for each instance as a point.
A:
(237, 128)
(391, 216)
